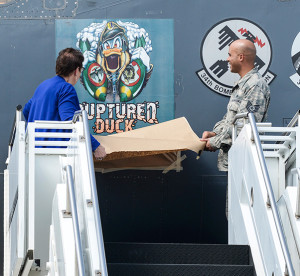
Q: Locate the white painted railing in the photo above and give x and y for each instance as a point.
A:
(34, 201)
(258, 170)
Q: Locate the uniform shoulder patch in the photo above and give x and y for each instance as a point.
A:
(252, 108)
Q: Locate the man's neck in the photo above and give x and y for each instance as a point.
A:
(246, 70)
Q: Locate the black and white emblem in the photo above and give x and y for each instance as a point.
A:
(252, 108)
(295, 53)
(216, 73)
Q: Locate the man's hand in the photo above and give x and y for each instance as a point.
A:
(100, 153)
(208, 146)
(205, 137)
(208, 134)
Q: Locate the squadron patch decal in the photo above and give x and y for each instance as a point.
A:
(216, 74)
(295, 54)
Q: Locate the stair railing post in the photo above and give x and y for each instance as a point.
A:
(68, 205)
(286, 272)
(17, 119)
(233, 133)
(298, 196)
(234, 125)
(76, 266)
(78, 247)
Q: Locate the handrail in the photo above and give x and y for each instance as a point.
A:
(77, 116)
(297, 213)
(82, 114)
(294, 120)
(17, 118)
(270, 193)
(70, 185)
(237, 116)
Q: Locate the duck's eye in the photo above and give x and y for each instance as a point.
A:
(117, 42)
(106, 46)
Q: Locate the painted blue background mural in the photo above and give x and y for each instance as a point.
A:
(127, 80)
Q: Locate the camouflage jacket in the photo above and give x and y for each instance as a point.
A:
(250, 94)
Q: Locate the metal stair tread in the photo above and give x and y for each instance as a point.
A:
(180, 269)
(175, 253)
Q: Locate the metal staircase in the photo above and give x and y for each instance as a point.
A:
(50, 191)
(263, 163)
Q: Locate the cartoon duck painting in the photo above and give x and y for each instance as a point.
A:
(111, 72)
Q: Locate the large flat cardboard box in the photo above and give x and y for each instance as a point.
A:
(152, 147)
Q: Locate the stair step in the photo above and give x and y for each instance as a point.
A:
(170, 253)
(179, 270)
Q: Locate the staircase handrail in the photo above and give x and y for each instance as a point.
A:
(75, 221)
(297, 213)
(82, 115)
(289, 267)
(294, 120)
(17, 118)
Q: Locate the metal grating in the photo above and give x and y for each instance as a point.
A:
(177, 253)
(178, 270)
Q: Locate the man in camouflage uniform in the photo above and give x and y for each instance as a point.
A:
(250, 94)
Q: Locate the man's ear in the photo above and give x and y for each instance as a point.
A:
(77, 73)
(241, 57)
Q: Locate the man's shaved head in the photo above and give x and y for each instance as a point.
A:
(245, 47)
(241, 56)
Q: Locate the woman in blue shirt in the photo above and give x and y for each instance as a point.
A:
(55, 99)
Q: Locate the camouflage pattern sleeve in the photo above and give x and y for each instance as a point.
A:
(256, 102)
(223, 137)
(223, 129)
(219, 125)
